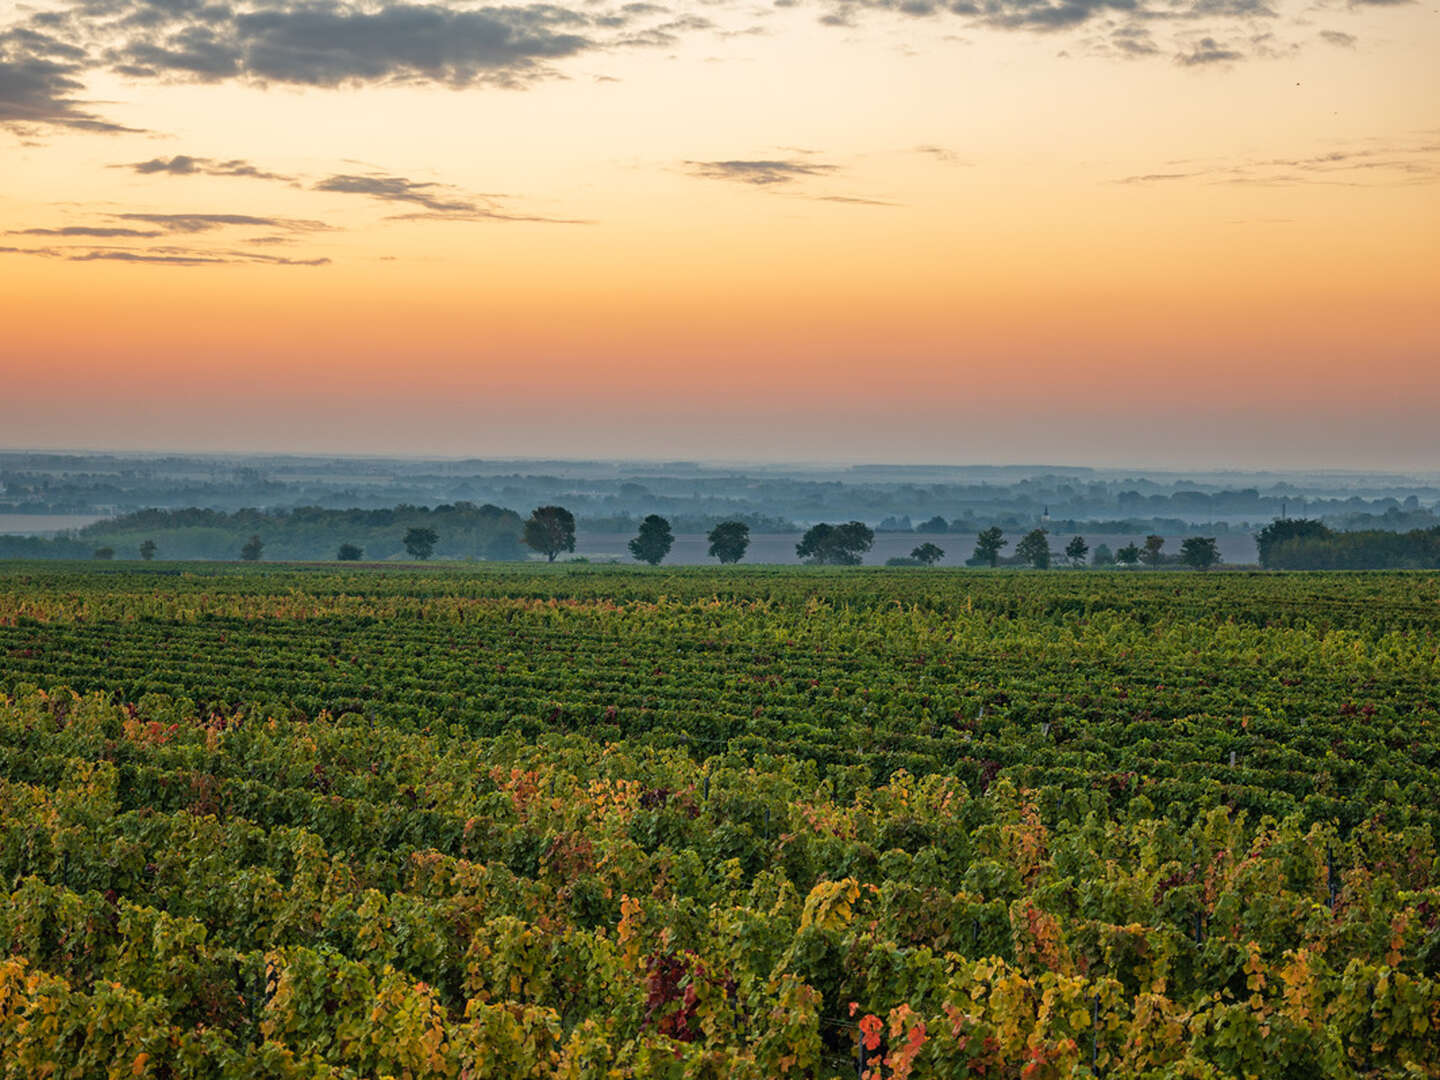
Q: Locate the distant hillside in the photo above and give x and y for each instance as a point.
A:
(465, 531)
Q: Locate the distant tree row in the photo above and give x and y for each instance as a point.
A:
(1305, 544)
(550, 530)
(1198, 552)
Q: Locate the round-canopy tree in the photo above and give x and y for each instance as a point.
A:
(652, 542)
(550, 530)
(420, 543)
(988, 543)
(1201, 552)
(1034, 548)
(928, 553)
(729, 541)
(839, 545)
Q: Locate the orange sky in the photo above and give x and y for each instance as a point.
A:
(660, 231)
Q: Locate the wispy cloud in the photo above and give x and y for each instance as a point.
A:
(97, 232)
(165, 256)
(197, 223)
(435, 200)
(398, 189)
(785, 175)
(185, 165)
(760, 173)
(1387, 164)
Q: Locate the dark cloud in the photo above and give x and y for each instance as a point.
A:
(760, 173)
(93, 231)
(196, 223)
(1133, 41)
(46, 57)
(39, 81)
(329, 43)
(185, 165)
(1338, 38)
(1207, 51)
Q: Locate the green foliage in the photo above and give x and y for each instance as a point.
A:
(987, 546)
(104, 554)
(1104, 556)
(927, 554)
(1287, 530)
(1129, 555)
(835, 545)
(250, 550)
(350, 553)
(147, 550)
(729, 541)
(1034, 549)
(1199, 552)
(555, 822)
(302, 533)
(1076, 550)
(653, 541)
(420, 542)
(1153, 554)
(550, 530)
(1297, 544)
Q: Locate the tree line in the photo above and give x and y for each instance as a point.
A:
(492, 533)
(550, 531)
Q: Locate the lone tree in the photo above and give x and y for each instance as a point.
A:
(1128, 555)
(420, 542)
(1103, 555)
(988, 543)
(729, 541)
(147, 550)
(927, 554)
(1034, 548)
(835, 545)
(105, 553)
(936, 524)
(251, 549)
(1076, 550)
(1152, 553)
(550, 530)
(350, 553)
(652, 542)
(1200, 552)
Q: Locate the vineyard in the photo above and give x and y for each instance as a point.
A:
(583, 821)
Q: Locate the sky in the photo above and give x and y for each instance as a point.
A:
(1110, 232)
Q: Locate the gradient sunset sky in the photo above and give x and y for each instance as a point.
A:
(1128, 232)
